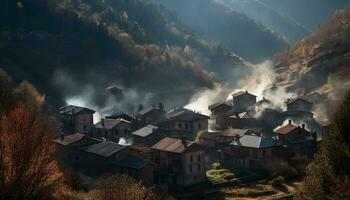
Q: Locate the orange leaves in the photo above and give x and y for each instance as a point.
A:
(26, 155)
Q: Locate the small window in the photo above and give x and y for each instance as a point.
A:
(186, 126)
(199, 158)
(190, 168)
(180, 125)
(116, 132)
(199, 126)
(191, 158)
(84, 127)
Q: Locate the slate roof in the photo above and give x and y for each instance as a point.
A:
(104, 149)
(145, 131)
(231, 132)
(73, 110)
(130, 161)
(110, 123)
(186, 115)
(243, 115)
(172, 145)
(290, 101)
(285, 129)
(209, 135)
(215, 105)
(254, 141)
(263, 101)
(147, 110)
(239, 93)
(69, 139)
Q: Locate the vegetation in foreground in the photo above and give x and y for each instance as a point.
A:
(328, 175)
(28, 169)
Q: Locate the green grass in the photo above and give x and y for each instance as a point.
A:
(217, 176)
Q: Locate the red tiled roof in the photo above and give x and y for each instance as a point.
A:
(172, 145)
(285, 129)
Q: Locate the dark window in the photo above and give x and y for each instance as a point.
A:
(186, 126)
(199, 158)
(199, 168)
(199, 126)
(84, 128)
(180, 125)
(190, 168)
(191, 158)
(116, 132)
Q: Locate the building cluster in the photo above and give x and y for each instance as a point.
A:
(176, 147)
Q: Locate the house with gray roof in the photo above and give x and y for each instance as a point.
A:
(147, 135)
(183, 122)
(113, 129)
(136, 167)
(252, 152)
(75, 119)
(97, 158)
(179, 162)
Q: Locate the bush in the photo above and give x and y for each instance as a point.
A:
(276, 182)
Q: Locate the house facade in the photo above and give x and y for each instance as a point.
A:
(252, 152)
(179, 162)
(75, 119)
(113, 129)
(185, 123)
(243, 101)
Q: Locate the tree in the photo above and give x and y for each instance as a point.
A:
(332, 163)
(27, 166)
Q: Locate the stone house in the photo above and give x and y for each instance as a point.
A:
(75, 119)
(67, 148)
(243, 101)
(299, 104)
(97, 159)
(297, 139)
(113, 129)
(219, 119)
(185, 123)
(243, 120)
(252, 152)
(148, 135)
(179, 162)
(151, 115)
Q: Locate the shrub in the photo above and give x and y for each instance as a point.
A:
(276, 182)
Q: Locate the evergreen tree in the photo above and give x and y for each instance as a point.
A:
(331, 166)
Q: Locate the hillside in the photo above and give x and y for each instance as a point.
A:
(282, 24)
(233, 30)
(309, 13)
(72, 48)
(320, 61)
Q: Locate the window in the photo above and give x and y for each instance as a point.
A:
(199, 168)
(191, 158)
(186, 126)
(191, 168)
(116, 132)
(199, 126)
(180, 125)
(84, 127)
(199, 158)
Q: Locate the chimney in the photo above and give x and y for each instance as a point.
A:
(314, 134)
(183, 141)
(303, 126)
(62, 136)
(236, 137)
(289, 121)
(102, 122)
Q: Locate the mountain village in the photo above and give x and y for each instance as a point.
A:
(178, 147)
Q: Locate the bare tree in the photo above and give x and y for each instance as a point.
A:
(27, 166)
